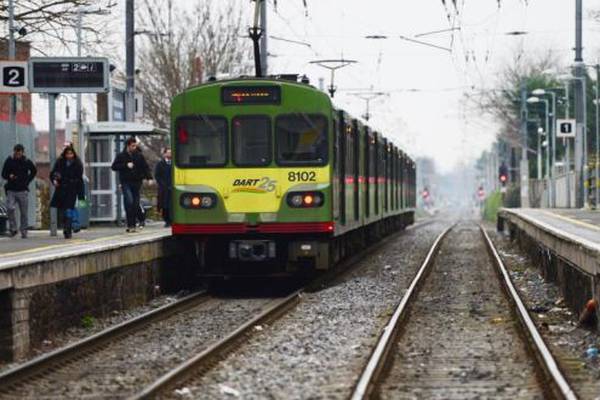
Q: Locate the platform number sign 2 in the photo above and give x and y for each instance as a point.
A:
(14, 77)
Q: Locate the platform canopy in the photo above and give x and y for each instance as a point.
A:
(124, 128)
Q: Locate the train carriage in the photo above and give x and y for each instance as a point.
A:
(269, 178)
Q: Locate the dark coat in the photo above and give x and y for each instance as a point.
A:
(162, 174)
(70, 183)
(139, 172)
(24, 170)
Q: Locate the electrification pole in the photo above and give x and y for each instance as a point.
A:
(580, 97)
(12, 107)
(264, 55)
(80, 137)
(597, 158)
(130, 59)
(524, 162)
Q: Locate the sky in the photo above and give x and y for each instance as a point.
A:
(422, 108)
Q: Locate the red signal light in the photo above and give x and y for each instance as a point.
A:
(425, 194)
(503, 178)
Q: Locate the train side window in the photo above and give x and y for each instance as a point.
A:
(251, 137)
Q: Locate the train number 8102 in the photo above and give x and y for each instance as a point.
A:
(302, 176)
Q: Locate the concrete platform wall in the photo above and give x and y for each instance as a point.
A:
(575, 285)
(110, 280)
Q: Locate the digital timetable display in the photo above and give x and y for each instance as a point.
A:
(69, 75)
(237, 95)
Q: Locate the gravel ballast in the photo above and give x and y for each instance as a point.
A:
(124, 367)
(319, 348)
(557, 324)
(461, 339)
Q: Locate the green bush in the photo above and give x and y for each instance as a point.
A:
(88, 322)
(492, 205)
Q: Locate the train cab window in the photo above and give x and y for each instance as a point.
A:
(251, 136)
(201, 141)
(301, 139)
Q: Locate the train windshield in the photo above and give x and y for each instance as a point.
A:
(301, 139)
(201, 141)
(251, 141)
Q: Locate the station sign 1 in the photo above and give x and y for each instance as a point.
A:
(68, 75)
(13, 76)
(565, 128)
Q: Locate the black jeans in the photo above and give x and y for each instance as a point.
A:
(131, 200)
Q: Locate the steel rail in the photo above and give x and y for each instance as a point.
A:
(278, 308)
(185, 369)
(544, 356)
(44, 362)
(373, 368)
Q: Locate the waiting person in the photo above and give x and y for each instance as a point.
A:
(67, 178)
(141, 212)
(133, 169)
(162, 174)
(18, 171)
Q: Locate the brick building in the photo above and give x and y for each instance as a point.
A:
(26, 132)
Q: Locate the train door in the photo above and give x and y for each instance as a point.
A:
(336, 170)
(341, 132)
(356, 164)
(367, 172)
(386, 156)
(377, 172)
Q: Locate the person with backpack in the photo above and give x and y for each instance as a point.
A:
(67, 178)
(19, 172)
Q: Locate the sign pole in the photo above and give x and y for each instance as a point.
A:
(12, 104)
(52, 154)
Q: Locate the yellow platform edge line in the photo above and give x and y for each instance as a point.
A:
(573, 220)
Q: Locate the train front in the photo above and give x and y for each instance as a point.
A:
(252, 177)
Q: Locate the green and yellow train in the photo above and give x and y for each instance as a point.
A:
(271, 179)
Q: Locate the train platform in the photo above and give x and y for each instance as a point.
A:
(564, 243)
(48, 283)
(40, 246)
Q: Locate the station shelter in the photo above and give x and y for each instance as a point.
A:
(105, 141)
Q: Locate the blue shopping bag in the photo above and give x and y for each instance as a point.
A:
(73, 215)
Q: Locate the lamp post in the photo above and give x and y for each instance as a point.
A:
(535, 100)
(597, 104)
(581, 166)
(552, 140)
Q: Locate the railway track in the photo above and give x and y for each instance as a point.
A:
(461, 332)
(108, 364)
(64, 372)
(194, 367)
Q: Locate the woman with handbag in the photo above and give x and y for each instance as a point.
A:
(67, 178)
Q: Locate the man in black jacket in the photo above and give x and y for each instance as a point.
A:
(18, 171)
(162, 174)
(133, 169)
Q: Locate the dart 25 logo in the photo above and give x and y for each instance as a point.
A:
(261, 185)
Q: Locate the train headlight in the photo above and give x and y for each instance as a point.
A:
(198, 200)
(296, 200)
(305, 199)
(207, 202)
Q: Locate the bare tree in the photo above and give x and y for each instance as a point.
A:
(503, 102)
(52, 22)
(206, 41)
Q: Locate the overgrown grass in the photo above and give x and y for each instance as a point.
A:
(493, 203)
